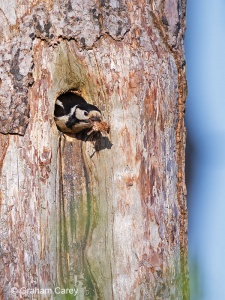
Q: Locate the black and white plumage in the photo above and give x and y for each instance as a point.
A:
(73, 114)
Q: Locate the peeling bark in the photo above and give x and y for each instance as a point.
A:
(104, 215)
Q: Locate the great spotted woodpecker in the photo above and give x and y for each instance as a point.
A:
(73, 114)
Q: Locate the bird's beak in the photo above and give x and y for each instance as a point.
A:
(95, 118)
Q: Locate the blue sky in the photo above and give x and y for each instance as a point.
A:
(205, 121)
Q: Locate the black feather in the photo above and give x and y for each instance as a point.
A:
(59, 111)
(72, 121)
(68, 100)
(88, 107)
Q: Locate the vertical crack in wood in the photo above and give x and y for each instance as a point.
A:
(63, 239)
(89, 226)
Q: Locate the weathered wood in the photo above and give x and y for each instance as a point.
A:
(104, 215)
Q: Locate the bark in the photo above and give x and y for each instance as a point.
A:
(104, 215)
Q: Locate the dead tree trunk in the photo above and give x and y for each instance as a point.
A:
(106, 217)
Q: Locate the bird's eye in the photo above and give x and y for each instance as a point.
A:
(86, 113)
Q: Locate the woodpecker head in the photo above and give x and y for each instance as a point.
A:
(87, 113)
(82, 117)
(73, 114)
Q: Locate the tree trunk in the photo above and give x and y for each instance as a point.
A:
(105, 216)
